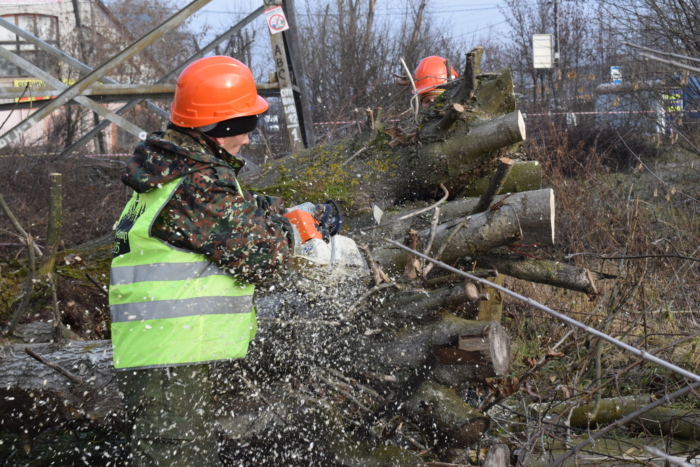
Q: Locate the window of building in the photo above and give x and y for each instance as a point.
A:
(41, 26)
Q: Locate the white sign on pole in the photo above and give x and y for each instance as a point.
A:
(542, 50)
(276, 20)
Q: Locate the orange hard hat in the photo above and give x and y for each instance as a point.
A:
(431, 72)
(214, 89)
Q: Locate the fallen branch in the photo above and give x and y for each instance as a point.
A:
(28, 288)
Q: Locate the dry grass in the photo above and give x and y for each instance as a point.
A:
(615, 204)
(93, 197)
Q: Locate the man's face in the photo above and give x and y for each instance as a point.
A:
(232, 144)
(427, 100)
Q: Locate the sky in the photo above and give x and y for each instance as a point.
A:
(461, 17)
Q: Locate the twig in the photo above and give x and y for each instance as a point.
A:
(17, 225)
(361, 387)
(360, 151)
(357, 120)
(97, 284)
(28, 288)
(623, 421)
(415, 100)
(344, 392)
(377, 273)
(413, 264)
(76, 379)
(376, 288)
(412, 214)
(370, 118)
(433, 230)
(444, 246)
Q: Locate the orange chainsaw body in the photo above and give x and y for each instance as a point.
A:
(305, 223)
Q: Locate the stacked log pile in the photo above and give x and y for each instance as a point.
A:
(363, 368)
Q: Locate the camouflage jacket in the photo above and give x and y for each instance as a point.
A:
(244, 234)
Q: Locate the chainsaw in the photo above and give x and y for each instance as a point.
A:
(316, 230)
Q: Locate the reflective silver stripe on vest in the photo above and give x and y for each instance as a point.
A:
(164, 272)
(162, 309)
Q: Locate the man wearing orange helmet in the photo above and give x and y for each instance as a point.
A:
(430, 78)
(190, 245)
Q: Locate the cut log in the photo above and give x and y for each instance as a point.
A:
(524, 176)
(440, 412)
(498, 456)
(552, 273)
(535, 211)
(485, 356)
(405, 352)
(460, 152)
(661, 421)
(481, 233)
(494, 92)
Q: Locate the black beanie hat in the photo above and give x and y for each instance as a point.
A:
(232, 127)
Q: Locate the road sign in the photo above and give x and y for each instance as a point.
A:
(276, 20)
(542, 50)
(616, 74)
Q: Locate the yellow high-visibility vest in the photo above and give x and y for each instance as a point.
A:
(171, 306)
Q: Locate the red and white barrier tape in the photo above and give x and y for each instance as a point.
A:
(548, 114)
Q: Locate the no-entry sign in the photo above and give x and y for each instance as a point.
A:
(276, 20)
